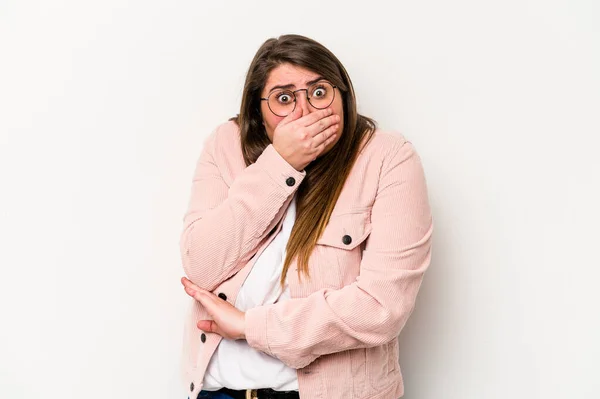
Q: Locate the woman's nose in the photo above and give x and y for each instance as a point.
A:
(302, 101)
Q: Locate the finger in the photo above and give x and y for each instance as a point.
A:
(191, 292)
(207, 302)
(295, 115)
(192, 288)
(312, 117)
(188, 283)
(322, 124)
(206, 298)
(208, 326)
(326, 136)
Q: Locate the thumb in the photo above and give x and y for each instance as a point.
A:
(294, 115)
(207, 325)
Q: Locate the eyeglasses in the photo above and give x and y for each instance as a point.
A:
(283, 102)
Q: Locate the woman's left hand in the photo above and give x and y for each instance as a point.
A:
(228, 321)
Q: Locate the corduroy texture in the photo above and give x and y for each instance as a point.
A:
(340, 328)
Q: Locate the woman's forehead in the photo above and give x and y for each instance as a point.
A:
(290, 74)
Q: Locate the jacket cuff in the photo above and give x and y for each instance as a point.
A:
(256, 329)
(279, 169)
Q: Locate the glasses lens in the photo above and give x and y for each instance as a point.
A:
(321, 94)
(281, 102)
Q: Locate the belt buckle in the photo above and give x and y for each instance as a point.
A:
(251, 394)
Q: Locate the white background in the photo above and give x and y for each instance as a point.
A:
(103, 109)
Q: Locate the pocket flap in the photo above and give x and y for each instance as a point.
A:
(347, 230)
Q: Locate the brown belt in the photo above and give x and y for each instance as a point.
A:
(263, 393)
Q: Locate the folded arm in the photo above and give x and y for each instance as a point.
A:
(373, 309)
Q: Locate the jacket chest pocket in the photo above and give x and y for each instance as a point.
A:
(340, 247)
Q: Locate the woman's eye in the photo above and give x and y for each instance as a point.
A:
(319, 92)
(284, 98)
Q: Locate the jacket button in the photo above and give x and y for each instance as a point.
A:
(346, 239)
(203, 338)
(222, 296)
(290, 181)
(191, 386)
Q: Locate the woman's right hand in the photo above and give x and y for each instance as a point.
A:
(300, 139)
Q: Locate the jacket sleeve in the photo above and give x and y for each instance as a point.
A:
(224, 224)
(373, 309)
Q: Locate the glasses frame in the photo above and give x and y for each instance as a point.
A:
(294, 96)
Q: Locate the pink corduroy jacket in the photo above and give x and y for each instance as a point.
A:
(340, 328)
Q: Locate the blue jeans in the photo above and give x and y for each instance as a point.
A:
(212, 395)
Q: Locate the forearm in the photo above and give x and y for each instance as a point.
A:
(373, 309)
(359, 315)
(224, 225)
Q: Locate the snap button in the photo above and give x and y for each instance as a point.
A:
(346, 239)
(203, 338)
(290, 181)
(222, 296)
(191, 386)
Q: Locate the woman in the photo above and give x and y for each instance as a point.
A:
(305, 241)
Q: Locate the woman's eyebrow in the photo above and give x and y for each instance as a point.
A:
(284, 87)
(291, 85)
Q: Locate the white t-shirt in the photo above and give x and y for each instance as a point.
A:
(237, 365)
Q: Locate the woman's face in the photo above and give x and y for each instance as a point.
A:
(297, 78)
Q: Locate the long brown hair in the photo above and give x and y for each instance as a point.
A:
(325, 177)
